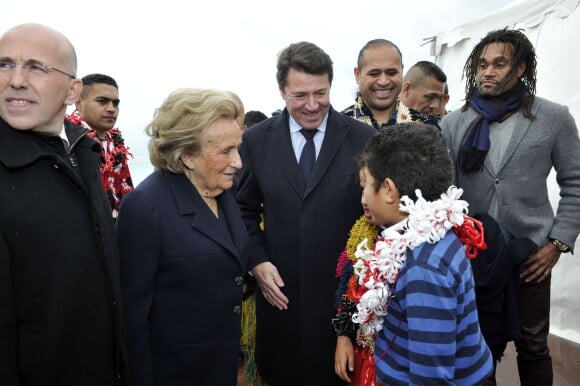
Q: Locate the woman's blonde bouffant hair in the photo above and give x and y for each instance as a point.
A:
(178, 125)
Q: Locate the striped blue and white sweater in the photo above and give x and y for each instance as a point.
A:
(431, 334)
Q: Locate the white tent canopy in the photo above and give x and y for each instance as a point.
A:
(553, 27)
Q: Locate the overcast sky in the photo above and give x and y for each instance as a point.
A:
(153, 49)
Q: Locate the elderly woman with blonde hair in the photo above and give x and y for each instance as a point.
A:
(182, 243)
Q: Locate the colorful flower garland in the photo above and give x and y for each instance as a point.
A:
(114, 168)
(377, 269)
(117, 153)
(401, 113)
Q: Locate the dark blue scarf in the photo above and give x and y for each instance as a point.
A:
(476, 144)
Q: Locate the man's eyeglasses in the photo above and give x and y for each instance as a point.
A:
(30, 68)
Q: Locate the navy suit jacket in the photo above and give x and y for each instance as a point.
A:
(305, 229)
(182, 274)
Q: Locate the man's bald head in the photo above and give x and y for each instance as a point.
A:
(38, 79)
(48, 37)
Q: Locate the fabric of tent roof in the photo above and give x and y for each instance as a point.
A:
(553, 27)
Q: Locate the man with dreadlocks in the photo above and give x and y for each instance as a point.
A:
(505, 141)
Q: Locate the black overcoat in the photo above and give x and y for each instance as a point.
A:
(60, 310)
(306, 228)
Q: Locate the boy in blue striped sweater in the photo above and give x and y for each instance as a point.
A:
(429, 333)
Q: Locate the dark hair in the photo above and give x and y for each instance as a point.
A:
(413, 155)
(98, 79)
(377, 43)
(253, 116)
(304, 57)
(523, 53)
(91, 79)
(430, 69)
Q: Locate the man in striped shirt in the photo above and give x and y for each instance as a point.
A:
(431, 334)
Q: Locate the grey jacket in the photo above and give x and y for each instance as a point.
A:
(520, 184)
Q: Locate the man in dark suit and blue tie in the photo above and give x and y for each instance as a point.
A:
(299, 171)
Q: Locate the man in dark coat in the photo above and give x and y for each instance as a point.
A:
(60, 320)
(307, 216)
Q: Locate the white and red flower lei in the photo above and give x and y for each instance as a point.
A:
(378, 268)
(115, 174)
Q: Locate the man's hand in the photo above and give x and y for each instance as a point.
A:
(270, 282)
(540, 264)
(344, 358)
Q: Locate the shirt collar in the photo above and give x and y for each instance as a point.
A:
(64, 137)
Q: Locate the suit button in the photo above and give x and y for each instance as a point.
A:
(237, 310)
(497, 181)
(239, 280)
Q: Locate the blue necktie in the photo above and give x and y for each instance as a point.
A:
(308, 156)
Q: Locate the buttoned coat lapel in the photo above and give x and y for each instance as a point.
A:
(233, 217)
(336, 131)
(521, 128)
(190, 203)
(278, 138)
